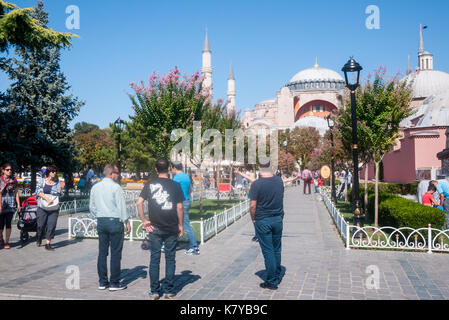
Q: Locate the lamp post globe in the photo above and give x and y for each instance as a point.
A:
(353, 68)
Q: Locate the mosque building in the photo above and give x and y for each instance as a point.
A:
(422, 134)
(304, 101)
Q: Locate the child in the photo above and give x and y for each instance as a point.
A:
(427, 198)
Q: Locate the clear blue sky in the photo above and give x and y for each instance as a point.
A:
(268, 42)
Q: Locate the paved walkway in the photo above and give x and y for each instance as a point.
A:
(230, 266)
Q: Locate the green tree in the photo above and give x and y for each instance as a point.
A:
(94, 149)
(38, 95)
(166, 104)
(84, 127)
(381, 106)
(302, 142)
(20, 28)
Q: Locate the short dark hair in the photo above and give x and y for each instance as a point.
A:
(50, 169)
(177, 166)
(162, 165)
(432, 188)
(6, 165)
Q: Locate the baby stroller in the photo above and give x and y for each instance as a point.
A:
(27, 219)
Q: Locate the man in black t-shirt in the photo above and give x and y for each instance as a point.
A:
(267, 213)
(165, 226)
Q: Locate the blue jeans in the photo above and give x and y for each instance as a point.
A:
(187, 227)
(446, 211)
(110, 233)
(269, 233)
(158, 238)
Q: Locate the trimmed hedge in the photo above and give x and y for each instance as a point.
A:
(398, 212)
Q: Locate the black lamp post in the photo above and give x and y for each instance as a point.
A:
(331, 124)
(353, 68)
(120, 126)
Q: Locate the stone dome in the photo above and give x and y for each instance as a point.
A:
(436, 111)
(426, 83)
(316, 78)
(312, 121)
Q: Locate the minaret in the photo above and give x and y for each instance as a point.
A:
(425, 59)
(231, 91)
(206, 70)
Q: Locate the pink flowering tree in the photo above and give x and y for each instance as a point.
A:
(164, 104)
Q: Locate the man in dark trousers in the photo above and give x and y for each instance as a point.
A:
(165, 226)
(108, 205)
(267, 213)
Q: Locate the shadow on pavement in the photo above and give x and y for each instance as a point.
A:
(128, 276)
(186, 277)
(262, 274)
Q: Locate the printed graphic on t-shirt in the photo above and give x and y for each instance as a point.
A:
(160, 195)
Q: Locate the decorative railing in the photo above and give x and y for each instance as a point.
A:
(68, 207)
(423, 239)
(86, 227)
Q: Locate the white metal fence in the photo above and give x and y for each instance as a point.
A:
(424, 239)
(86, 227)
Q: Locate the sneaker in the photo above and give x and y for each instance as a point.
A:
(266, 285)
(103, 287)
(192, 252)
(169, 295)
(7, 246)
(255, 239)
(117, 288)
(154, 296)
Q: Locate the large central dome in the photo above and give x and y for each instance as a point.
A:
(316, 78)
(426, 83)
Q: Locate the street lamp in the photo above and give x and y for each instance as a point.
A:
(331, 124)
(120, 124)
(353, 68)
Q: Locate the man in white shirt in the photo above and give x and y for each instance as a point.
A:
(108, 205)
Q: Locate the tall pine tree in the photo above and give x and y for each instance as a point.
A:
(39, 96)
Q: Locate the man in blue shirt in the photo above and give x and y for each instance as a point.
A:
(186, 185)
(443, 190)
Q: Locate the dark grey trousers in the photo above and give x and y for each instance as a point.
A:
(46, 223)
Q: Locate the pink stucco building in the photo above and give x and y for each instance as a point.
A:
(423, 134)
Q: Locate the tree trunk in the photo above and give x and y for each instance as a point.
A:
(201, 189)
(33, 179)
(366, 186)
(218, 183)
(376, 199)
(346, 184)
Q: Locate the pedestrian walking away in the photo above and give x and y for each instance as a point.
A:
(108, 205)
(267, 212)
(9, 203)
(164, 225)
(48, 191)
(307, 178)
(186, 186)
